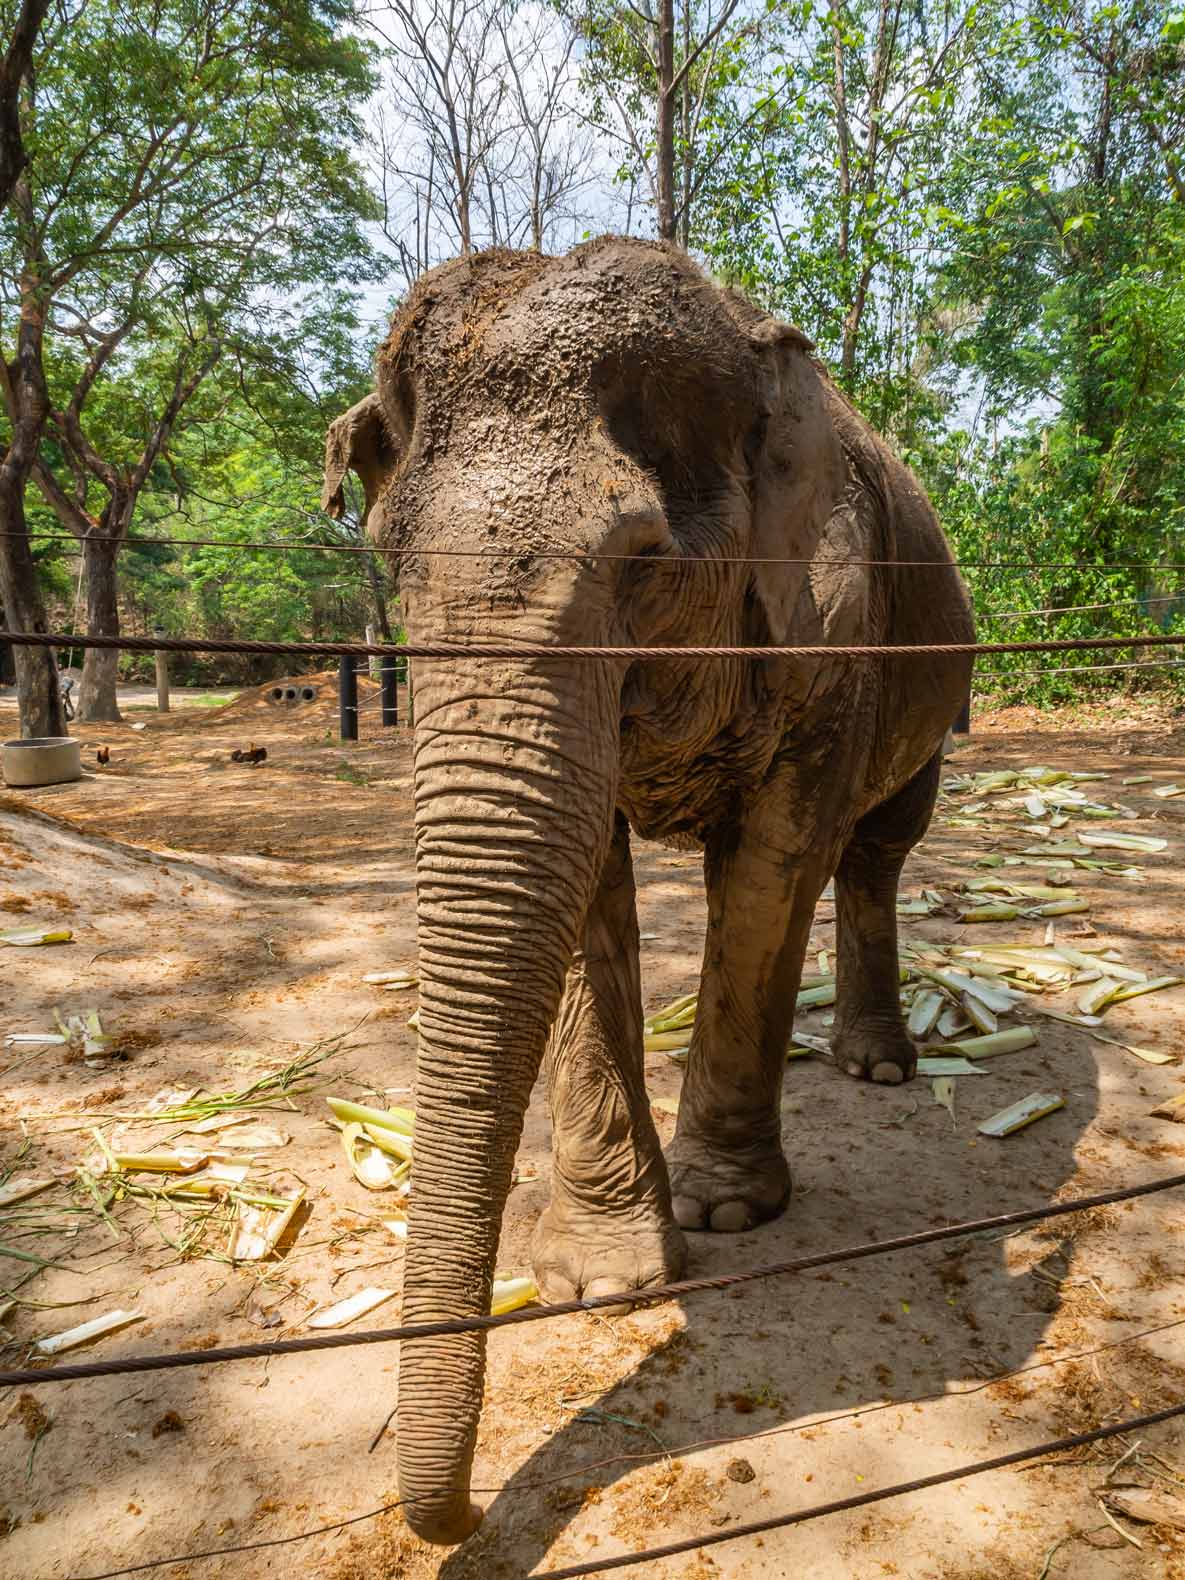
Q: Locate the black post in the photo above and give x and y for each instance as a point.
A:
(962, 725)
(347, 698)
(388, 679)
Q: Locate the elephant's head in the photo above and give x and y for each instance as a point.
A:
(551, 416)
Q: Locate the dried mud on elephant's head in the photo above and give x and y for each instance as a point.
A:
(603, 374)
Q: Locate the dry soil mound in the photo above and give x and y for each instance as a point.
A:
(295, 697)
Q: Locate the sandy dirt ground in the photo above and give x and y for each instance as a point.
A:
(223, 917)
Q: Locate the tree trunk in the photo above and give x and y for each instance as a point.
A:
(684, 220)
(853, 318)
(14, 68)
(97, 699)
(664, 153)
(38, 692)
(26, 401)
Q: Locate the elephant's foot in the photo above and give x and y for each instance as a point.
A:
(581, 1250)
(726, 1189)
(872, 1050)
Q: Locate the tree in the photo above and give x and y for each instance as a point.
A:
(835, 210)
(190, 172)
(21, 604)
(476, 141)
(664, 73)
(1071, 243)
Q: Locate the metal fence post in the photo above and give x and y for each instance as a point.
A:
(347, 697)
(389, 680)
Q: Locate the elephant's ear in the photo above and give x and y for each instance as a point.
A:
(359, 441)
(797, 470)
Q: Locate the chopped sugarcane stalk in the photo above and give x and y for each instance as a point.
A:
(810, 1044)
(402, 1120)
(94, 1329)
(1010, 1041)
(675, 1021)
(951, 1022)
(996, 998)
(256, 1231)
(1137, 989)
(664, 1041)
(1066, 907)
(392, 1142)
(367, 1162)
(1018, 1115)
(182, 1162)
(31, 937)
(1078, 957)
(927, 1007)
(1110, 839)
(511, 1293)
(978, 1013)
(1098, 995)
(350, 1309)
(940, 1065)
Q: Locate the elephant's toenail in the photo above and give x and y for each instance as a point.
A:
(888, 1074)
(730, 1217)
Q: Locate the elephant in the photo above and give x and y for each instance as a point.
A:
(608, 449)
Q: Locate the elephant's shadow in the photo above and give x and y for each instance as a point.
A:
(762, 1362)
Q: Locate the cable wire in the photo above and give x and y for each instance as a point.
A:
(1082, 608)
(662, 1294)
(536, 651)
(1077, 669)
(591, 555)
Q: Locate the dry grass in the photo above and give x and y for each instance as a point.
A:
(27, 1410)
(652, 1498)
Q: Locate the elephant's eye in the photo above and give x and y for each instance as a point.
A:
(755, 441)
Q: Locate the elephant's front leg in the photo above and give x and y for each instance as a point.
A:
(870, 1040)
(728, 1170)
(609, 1225)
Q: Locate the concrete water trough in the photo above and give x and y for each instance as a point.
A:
(40, 760)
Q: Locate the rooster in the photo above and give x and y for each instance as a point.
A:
(103, 756)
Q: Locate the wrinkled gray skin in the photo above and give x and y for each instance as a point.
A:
(617, 403)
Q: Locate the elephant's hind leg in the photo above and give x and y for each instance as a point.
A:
(870, 1040)
(728, 1170)
(609, 1225)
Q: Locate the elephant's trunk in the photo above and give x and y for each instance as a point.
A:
(515, 780)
